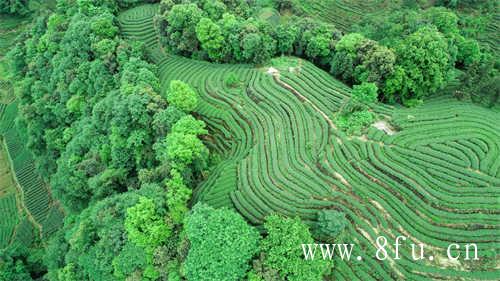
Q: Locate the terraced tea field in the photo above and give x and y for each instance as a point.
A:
(434, 177)
(343, 14)
(8, 206)
(24, 197)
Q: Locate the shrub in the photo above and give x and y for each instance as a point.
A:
(182, 96)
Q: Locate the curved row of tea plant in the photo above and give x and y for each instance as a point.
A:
(37, 204)
(433, 181)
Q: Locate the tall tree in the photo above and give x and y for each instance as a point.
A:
(283, 252)
(222, 244)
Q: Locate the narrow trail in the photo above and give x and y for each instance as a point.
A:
(303, 98)
(21, 195)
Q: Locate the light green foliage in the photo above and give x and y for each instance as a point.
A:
(318, 46)
(468, 51)
(182, 96)
(190, 126)
(349, 43)
(222, 244)
(105, 49)
(366, 93)
(444, 19)
(354, 123)
(182, 146)
(355, 114)
(178, 195)
(232, 80)
(103, 26)
(282, 250)
(181, 150)
(144, 226)
(210, 36)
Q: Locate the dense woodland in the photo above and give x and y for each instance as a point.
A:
(123, 157)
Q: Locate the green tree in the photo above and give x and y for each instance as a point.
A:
(469, 51)
(425, 64)
(481, 81)
(222, 244)
(13, 270)
(165, 119)
(190, 126)
(286, 35)
(182, 96)
(103, 25)
(214, 8)
(178, 195)
(180, 150)
(144, 225)
(130, 260)
(366, 93)
(282, 250)
(210, 36)
(181, 28)
(330, 223)
(18, 7)
(318, 46)
(93, 244)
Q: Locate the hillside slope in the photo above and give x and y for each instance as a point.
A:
(434, 178)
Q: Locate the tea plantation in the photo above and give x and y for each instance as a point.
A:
(434, 177)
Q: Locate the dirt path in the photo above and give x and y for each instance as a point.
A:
(303, 98)
(20, 192)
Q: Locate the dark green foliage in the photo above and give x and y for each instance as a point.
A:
(425, 61)
(181, 28)
(358, 59)
(233, 36)
(330, 224)
(95, 245)
(222, 244)
(17, 7)
(12, 270)
(131, 259)
(164, 120)
(482, 82)
(15, 264)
